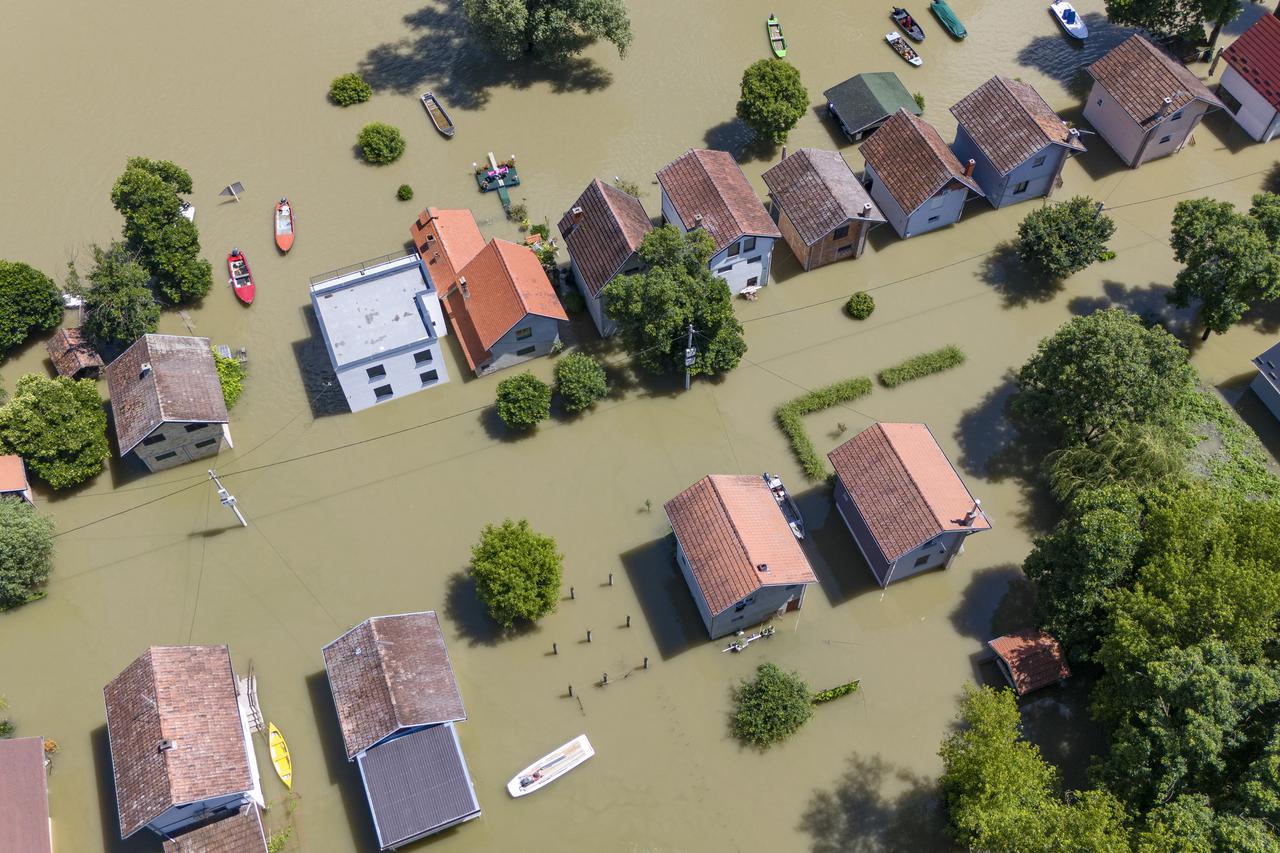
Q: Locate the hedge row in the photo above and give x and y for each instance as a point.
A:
(921, 365)
(835, 692)
(791, 418)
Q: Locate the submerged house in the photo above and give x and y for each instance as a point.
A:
(181, 750)
(865, 101)
(914, 178)
(1250, 85)
(1267, 383)
(821, 209)
(1144, 103)
(24, 797)
(72, 355)
(1030, 660)
(737, 552)
(904, 504)
(13, 478)
(706, 189)
(1016, 141)
(167, 401)
(382, 326)
(496, 295)
(603, 231)
(397, 701)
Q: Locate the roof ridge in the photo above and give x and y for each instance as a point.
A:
(382, 673)
(915, 122)
(508, 276)
(718, 193)
(164, 754)
(915, 484)
(742, 545)
(813, 164)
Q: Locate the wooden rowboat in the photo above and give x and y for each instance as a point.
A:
(790, 511)
(776, 41)
(948, 18)
(280, 755)
(550, 767)
(284, 225)
(903, 49)
(903, 19)
(439, 117)
(241, 277)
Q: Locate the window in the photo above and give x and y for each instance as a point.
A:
(753, 281)
(527, 351)
(1020, 188)
(423, 357)
(1037, 163)
(429, 377)
(1176, 116)
(844, 251)
(524, 334)
(1231, 101)
(840, 233)
(725, 269)
(934, 218)
(1165, 139)
(153, 439)
(376, 372)
(163, 456)
(733, 250)
(749, 244)
(742, 605)
(382, 392)
(208, 442)
(920, 561)
(754, 260)
(194, 427)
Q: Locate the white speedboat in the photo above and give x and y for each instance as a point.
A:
(790, 511)
(1070, 19)
(188, 211)
(550, 767)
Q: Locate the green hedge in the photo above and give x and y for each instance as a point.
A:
(835, 692)
(791, 418)
(921, 365)
(860, 305)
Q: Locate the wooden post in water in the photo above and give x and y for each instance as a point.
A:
(610, 578)
(555, 649)
(572, 595)
(628, 621)
(646, 663)
(588, 635)
(570, 691)
(605, 680)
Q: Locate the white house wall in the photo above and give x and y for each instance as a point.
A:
(703, 610)
(739, 270)
(1126, 137)
(764, 603)
(1266, 394)
(888, 204)
(511, 349)
(403, 374)
(934, 554)
(930, 217)
(1256, 116)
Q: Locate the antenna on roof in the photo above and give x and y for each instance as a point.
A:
(972, 515)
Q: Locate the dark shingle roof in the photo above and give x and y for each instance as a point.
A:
(24, 796)
(182, 385)
(912, 161)
(1140, 76)
(1010, 122)
(71, 353)
(866, 99)
(612, 226)
(819, 193)
(1034, 659)
(711, 185)
(1256, 57)
(390, 673)
(239, 833)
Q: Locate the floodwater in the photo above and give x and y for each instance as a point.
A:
(357, 515)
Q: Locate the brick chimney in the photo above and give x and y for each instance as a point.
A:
(968, 168)
(866, 210)
(1166, 107)
(462, 287)
(575, 216)
(697, 220)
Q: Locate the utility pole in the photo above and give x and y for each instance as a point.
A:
(689, 354)
(228, 499)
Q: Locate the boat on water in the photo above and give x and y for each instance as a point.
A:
(284, 225)
(280, 755)
(439, 117)
(776, 41)
(903, 19)
(790, 511)
(188, 211)
(550, 767)
(1069, 19)
(906, 51)
(241, 277)
(947, 18)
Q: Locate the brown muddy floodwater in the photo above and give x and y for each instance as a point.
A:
(357, 515)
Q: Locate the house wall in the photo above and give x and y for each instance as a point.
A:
(1255, 115)
(945, 208)
(703, 610)
(937, 553)
(1178, 131)
(740, 270)
(596, 304)
(861, 534)
(888, 205)
(999, 188)
(403, 373)
(828, 249)
(756, 608)
(177, 440)
(181, 817)
(1267, 394)
(512, 349)
(1128, 139)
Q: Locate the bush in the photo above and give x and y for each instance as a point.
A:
(523, 401)
(919, 99)
(29, 302)
(26, 552)
(231, 377)
(771, 707)
(860, 305)
(541, 230)
(380, 143)
(58, 426)
(921, 365)
(517, 572)
(791, 418)
(835, 692)
(349, 89)
(1060, 239)
(581, 381)
(405, 193)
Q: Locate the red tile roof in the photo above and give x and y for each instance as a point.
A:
(1256, 57)
(728, 526)
(71, 354)
(458, 240)
(903, 486)
(24, 797)
(819, 193)
(1140, 76)
(611, 228)
(13, 474)
(1034, 659)
(912, 161)
(711, 185)
(1010, 122)
(239, 833)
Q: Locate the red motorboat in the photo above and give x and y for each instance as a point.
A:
(284, 225)
(241, 278)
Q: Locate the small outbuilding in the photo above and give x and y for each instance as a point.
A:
(821, 208)
(13, 478)
(72, 355)
(1030, 660)
(241, 833)
(1267, 383)
(865, 101)
(737, 552)
(24, 797)
(1250, 85)
(603, 231)
(903, 502)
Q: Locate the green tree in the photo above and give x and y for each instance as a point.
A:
(654, 309)
(773, 99)
(29, 303)
(517, 572)
(1229, 262)
(1102, 370)
(380, 143)
(118, 304)
(181, 275)
(1058, 240)
(1265, 210)
(1189, 824)
(523, 401)
(1184, 19)
(348, 89)
(549, 30)
(58, 426)
(230, 377)
(167, 244)
(770, 707)
(581, 381)
(1137, 456)
(26, 552)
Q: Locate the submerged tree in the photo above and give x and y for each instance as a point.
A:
(26, 552)
(118, 303)
(581, 381)
(517, 572)
(29, 303)
(166, 242)
(773, 99)
(550, 30)
(1061, 239)
(770, 707)
(523, 401)
(58, 427)
(1185, 19)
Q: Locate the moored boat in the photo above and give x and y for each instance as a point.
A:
(1070, 20)
(776, 41)
(188, 211)
(439, 117)
(906, 51)
(790, 511)
(948, 19)
(550, 767)
(903, 19)
(284, 225)
(280, 755)
(241, 277)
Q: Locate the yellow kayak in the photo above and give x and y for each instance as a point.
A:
(280, 755)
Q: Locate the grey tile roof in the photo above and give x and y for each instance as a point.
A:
(612, 227)
(181, 385)
(711, 185)
(1011, 123)
(1140, 76)
(819, 193)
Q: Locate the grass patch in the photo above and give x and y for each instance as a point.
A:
(921, 365)
(790, 417)
(1228, 451)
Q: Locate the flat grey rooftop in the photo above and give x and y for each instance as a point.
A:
(373, 310)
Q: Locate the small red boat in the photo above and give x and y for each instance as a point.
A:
(241, 278)
(284, 225)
